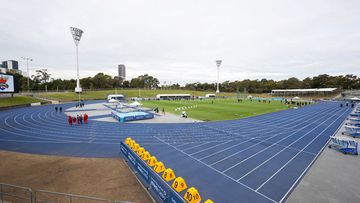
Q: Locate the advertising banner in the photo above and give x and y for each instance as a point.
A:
(6, 83)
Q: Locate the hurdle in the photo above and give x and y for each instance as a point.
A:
(353, 121)
(353, 131)
(344, 146)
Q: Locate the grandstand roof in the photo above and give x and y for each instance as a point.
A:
(306, 90)
(173, 95)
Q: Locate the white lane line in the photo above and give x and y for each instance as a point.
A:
(327, 109)
(222, 143)
(283, 166)
(311, 163)
(279, 141)
(198, 145)
(259, 193)
(287, 147)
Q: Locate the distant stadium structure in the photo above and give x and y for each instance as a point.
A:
(299, 92)
(173, 96)
(117, 97)
(210, 95)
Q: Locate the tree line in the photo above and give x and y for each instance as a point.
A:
(265, 86)
(42, 79)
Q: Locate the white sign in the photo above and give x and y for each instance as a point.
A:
(76, 33)
(6, 83)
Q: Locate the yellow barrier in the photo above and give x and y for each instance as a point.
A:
(192, 196)
(136, 146)
(140, 151)
(132, 143)
(128, 141)
(152, 161)
(159, 167)
(179, 184)
(168, 175)
(145, 156)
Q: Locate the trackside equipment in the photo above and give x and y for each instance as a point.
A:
(344, 146)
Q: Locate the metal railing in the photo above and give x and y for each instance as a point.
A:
(58, 197)
(13, 193)
(17, 194)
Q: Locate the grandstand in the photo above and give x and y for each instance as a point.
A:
(304, 92)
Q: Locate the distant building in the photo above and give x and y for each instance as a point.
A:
(122, 71)
(10, 66)
(173, 96)
(302, 92)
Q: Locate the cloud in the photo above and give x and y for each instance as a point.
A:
(179, 41)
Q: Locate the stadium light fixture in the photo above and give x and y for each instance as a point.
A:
(27, 69)
(76, 34)
(218, 63)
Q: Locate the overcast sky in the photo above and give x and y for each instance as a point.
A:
(179, 40)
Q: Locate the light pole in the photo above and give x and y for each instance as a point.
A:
(218, 63)
(76, 34)
(27, 68)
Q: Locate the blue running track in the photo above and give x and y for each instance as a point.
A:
(257, 159)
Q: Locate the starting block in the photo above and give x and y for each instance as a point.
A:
(209, 201)
(152, 161)
(159, 167)
(128, 141)
(168, 175)
(179, 184)
(140, 151)
(145, 156)
(192, 196)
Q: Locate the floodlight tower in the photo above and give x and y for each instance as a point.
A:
(218, 63)
(76, 34)
(27, 68)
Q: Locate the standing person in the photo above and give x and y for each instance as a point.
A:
(81, 119)
(86, 118)
(74, 120)
(163, 110)
(78, 119)
(70, 120)
(56, 108)
(60, 109)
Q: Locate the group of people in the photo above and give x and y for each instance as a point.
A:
(347, 104)
(58, 108)
(156, 110)
(79, 119)
(80, 104)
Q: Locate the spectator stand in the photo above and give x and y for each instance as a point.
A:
(344, 146)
